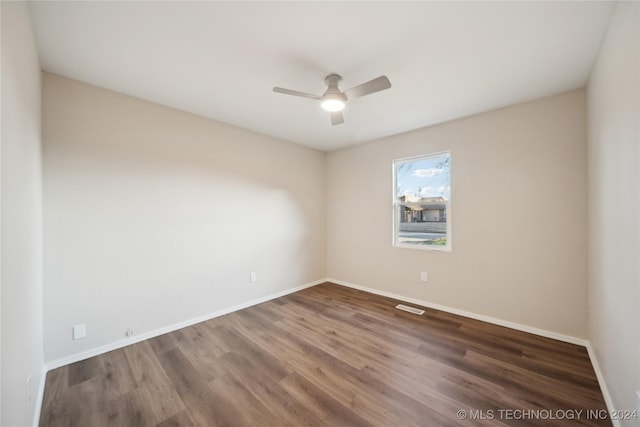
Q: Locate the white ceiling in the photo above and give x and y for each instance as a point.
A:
(221, 60)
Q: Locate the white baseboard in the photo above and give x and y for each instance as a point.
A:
(603, 385)
(152, 334)
(530, 329)
(170, 328)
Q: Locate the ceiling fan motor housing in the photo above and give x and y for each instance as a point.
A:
(333, 92)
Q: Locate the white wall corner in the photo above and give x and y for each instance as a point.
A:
(40, 396)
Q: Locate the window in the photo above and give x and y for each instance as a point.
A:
(421, 202)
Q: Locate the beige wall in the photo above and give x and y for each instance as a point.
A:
(614, 208)
(508, 261)
(21, 259)
(154, 216)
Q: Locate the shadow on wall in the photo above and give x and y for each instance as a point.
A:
(154, 216)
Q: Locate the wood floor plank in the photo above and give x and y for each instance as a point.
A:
(205, 407)
(327, 356)
(330, 410)
(268, 363)
(83, 404)
(181, 419)
(82, 371)
(229, 389)
(54, 407)
(326, 373)
(281, 404)
(154, 389)
(117, 375)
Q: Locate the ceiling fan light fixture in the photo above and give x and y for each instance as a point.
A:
(332, 104)
(334, 100)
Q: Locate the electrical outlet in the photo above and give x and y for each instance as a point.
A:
(129, 332)
(253, 277)
(423, 276)
(79, 331)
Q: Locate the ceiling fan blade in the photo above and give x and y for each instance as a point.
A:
(372, 86)
(295, 93)
(336, 118)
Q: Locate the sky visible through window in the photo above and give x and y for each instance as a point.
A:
(425, 177)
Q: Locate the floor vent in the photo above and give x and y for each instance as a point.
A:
(410, 309)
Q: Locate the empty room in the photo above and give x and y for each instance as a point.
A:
(320, 213)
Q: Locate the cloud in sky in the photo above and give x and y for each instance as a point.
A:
(427, 173)
(427, 192)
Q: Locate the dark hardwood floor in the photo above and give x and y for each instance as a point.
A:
(331, 356)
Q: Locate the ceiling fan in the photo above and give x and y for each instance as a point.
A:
(334, 100)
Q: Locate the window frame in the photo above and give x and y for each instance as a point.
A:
(395, 206)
